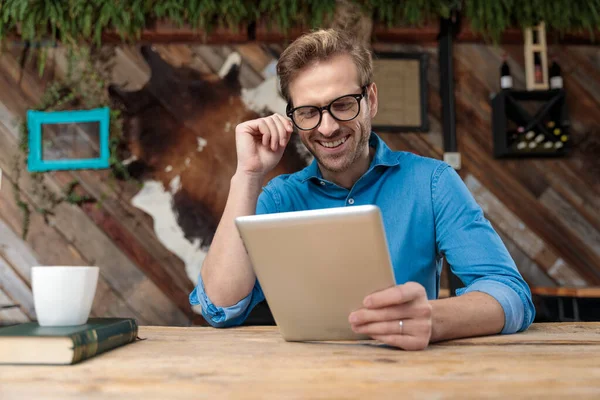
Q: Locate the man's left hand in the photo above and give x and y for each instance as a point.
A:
(399, 316)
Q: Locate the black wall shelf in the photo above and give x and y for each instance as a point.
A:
(530, 123)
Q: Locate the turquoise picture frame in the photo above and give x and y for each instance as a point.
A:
(35, 120)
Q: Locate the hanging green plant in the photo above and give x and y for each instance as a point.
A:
(75, 21)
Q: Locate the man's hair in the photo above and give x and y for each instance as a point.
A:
(318, 46)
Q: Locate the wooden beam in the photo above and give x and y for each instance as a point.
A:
(165, 32)
(428, 34)
(264, 34)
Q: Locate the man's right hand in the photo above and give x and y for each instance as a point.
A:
(260, 143)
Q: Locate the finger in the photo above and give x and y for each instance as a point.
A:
(281, 131)
(274, 143)
(395, 295)
(413, 310)
(287, 122)
(409, 327)
(263, 127)
(287, 125)
(381, 328)
(251, 127)
(367, 315)
(411, 343)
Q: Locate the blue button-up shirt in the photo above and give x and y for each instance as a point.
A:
(428, 214)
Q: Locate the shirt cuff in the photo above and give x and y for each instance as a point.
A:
(514, 310)
(223, 317)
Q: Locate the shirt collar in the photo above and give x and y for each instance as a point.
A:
(383, 156)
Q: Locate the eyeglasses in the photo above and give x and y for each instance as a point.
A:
(344, 108)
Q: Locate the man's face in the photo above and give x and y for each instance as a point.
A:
(336, 145)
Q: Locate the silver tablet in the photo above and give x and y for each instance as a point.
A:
(316, 267)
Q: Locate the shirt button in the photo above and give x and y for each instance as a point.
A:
(350, 201)
(322, 183)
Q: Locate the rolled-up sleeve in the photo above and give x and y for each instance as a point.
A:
(223, 317)
(235, 315)
(475, 252)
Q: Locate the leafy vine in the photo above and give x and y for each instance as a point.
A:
(86, 21)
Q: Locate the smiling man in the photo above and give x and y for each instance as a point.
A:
(428, 212)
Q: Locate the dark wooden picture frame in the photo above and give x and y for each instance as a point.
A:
(393, 102)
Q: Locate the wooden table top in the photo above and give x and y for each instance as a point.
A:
(549, 360)
(583, 292)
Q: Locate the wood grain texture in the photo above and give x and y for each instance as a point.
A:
(426, 33)
(15, 287)
(104, 249)
(531, 271)
(511, 181)
(164, 268)
(506, 178)
(81, 233)
(587, 292)
(131, 231)
(195, 363)
(46, 246)
(12, 315)
(255, 56)
(512, 226)
(575, 221)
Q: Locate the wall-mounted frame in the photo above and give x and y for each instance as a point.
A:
(401, 80)
(88, 126)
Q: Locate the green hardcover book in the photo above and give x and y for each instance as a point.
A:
(30, 343)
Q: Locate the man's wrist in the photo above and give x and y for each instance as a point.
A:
(248, 180)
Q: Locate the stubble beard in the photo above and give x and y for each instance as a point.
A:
(342, 162)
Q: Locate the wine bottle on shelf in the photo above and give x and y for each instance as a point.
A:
(556, 80)
(506, 81)
(530, 135)
(521, 142)
(539, 138)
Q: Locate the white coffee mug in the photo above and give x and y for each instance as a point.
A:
(63, 295)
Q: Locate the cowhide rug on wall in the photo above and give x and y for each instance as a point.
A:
(180, 130)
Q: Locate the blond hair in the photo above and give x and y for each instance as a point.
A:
(321, 45)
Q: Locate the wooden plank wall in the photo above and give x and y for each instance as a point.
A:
(84, 235)
(546, 211)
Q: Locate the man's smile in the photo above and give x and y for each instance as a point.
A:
(332, 144)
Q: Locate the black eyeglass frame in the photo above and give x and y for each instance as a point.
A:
(358, 97)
